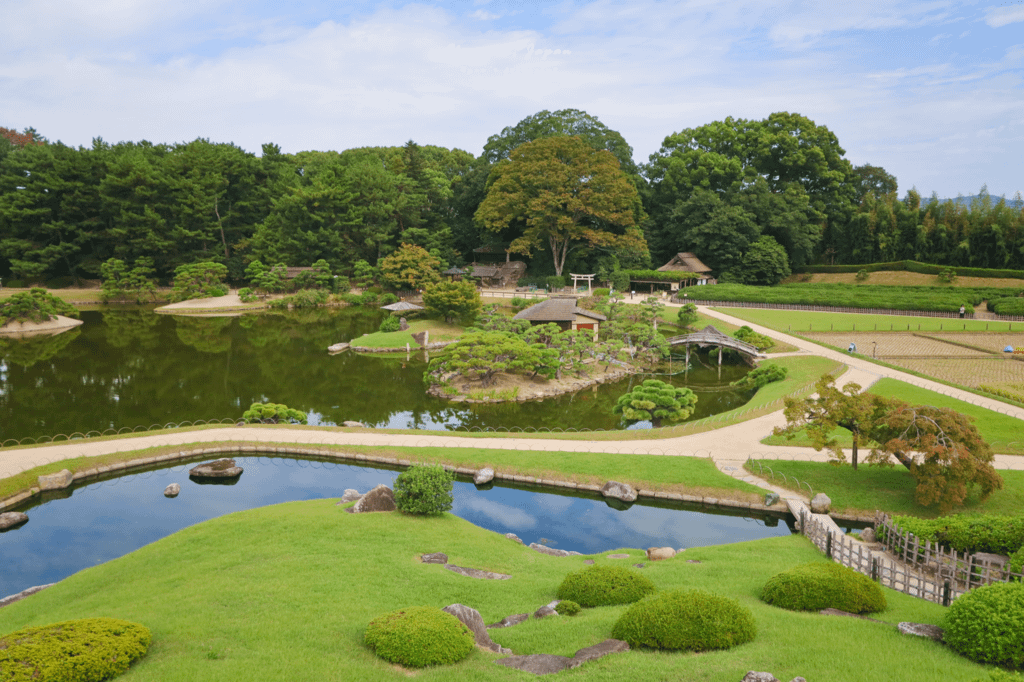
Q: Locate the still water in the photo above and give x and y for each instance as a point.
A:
(133, 367)
(104, 520)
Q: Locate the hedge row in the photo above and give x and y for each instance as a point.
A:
(914, 266)
(658, 276)
(994, 534)
(1011, 305)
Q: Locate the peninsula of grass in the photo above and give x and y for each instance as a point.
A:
(1004, 433)
(440, 332)
(870, 488)
(285, 593)
(797, 321)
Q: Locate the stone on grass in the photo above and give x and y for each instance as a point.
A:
(380, 499)
(753, 676)
(608, 646)
(172, 490)
(660, 553)
(403, 324)
(351, 495)
(544, 612)
(770, 499)
(12, 519)
(509, 621)
(538, 664)
(58, 481)
(821, 504)
(353, 425)
(617, 556)
(551, 551)
(588, 562)
(513, 536)
(485, 475)
(922, 630)
(868, 535)
(476, 573)
(470, 617)
(434, 558)
(222, 468)
(620, 491)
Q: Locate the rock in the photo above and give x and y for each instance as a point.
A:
(351, 495)
(12, 519)
(693, 561)
(868, 535)
(354, 425)
(172, 490)
(337, 348)
(922, 630)
(617, 556)
(422, 338)
(509, 621)
(58, 481)
(608, 646)
(485, 475)
(660, 553)
(538, 664)
(513, 536)
(838, 612)
(471, 619)
(380, 499)
(588, 562)
(7, 601)
(544, 612)
(770, 499)
(820, 504)
(403, 324)
(620, 491)
(753, 676)
(222, 468)
(550, 551)
(638, 565)
(476, 573)
(435, 558)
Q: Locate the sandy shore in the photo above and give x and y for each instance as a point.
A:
(25, 330)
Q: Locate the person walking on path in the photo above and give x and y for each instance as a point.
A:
(963, 310)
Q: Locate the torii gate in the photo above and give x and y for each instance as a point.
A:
(589, 278)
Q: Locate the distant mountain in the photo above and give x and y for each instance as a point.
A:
(966, 201)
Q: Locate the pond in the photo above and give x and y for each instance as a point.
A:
(133, 367)
(103, 520)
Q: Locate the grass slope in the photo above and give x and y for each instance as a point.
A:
(439, 331)
(802, 321)
(285, 592)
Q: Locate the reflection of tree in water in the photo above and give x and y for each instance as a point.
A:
(131, 328)
(205, 334)
(27, 352)
(322, 327)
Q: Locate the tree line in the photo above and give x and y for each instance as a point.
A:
(753, 200)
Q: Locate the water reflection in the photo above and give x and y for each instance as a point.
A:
(105, 520)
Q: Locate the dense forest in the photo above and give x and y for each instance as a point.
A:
(736, 192)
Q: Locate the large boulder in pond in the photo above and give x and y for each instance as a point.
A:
(222, 468)
(619, 491)
(58, 481)
(12, 519)
(380, 499)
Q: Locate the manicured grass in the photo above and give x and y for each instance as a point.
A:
(285, 593)
(888, 489)
(802, 321)
(439, 331)
(1004, 433)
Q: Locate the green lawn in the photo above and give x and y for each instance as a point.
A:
(797, 321)
(891, 489)
(285, 593)
(439, 331)
(1004, 433)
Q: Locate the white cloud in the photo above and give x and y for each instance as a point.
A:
(484, 15)
(998, 17)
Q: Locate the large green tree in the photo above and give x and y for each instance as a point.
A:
(657, 402)
(560, 191)
(452, 300)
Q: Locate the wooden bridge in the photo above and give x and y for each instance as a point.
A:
(709, 336)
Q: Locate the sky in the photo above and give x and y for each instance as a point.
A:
(930, 90)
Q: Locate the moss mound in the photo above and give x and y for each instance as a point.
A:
(604, 586)
(823, 585)
(686, 620)
(86, 650)
(987, 625)
(419, 636)
(567, 607)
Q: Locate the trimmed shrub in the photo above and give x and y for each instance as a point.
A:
(823, 585)
(554, 282)
(1017, 561)
(914, 266)
(981, 533)
(418, 636)
(388, 299)
(1008, 305)
(761, 376)
(567, 607)
(862, 275)
(272, 413)
(686, 620)
(759, 341)
(987, 625)
(36, 305)
(601, 292)
(424, 489)
(247, 295)
(390, 324)
(86, 650)
(604, 586)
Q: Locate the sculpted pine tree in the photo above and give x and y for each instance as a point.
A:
(561, 190)
(483, 355)
(656, 401)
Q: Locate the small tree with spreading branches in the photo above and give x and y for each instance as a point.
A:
(656, 401)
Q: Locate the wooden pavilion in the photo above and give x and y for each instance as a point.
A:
(563, 311)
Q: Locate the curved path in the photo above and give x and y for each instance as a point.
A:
(729, 447)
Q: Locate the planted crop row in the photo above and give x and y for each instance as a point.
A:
(914, 266)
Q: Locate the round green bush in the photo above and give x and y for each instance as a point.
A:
(567, 607)
(1001, 676)
(419, 636)
(987, 625)
(86, 650)
(823, 585)
(424, 489)
(604, 586)
(686, 620)
(390, 324)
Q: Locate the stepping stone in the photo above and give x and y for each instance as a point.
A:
(550, 551)
(617, 556)
(476, 573)
(435, 558)
(509, 621)
(922, 630)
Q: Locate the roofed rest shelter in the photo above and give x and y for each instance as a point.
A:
(688, 263)
(563, 311)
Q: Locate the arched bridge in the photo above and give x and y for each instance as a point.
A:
(709, 336)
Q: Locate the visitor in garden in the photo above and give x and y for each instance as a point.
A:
(852, 348)
(962, 311)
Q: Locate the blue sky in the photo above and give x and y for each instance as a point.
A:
(930, 90)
